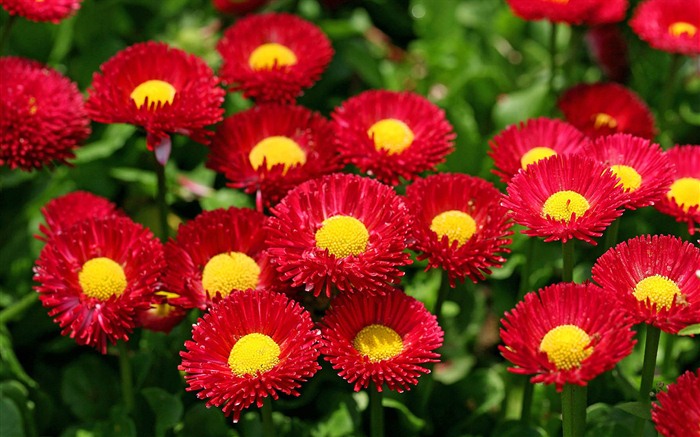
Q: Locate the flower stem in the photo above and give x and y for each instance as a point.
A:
(611, 235)
(5, 36)
(651, 347)
(552, 56)
(267, 423)
(669, 343)
(526, 408)
(443, 292)
(669, 88)
(126, 375)
(573, 409)
(162, 202)
(18, 308)
(527, 267)
(567, 253)
(376, 413)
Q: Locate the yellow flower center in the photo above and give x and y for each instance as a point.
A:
(32, 106)
(378, 342)
(563, 204)
(457, 225)
(342, 236)
(566, 346)
(157, 91)
(391, 135)
(102, 278)
(682, 28)
(253, 354)
(227, 272)
(629, 178)
(686, 192)
(267, 56)
(163, 309)
(660, 290)
(277, 150)
(604, 120)
(535, 154)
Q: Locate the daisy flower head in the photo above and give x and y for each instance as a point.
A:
(272, 148)
(343, 231)
(162, 315)
(52, 11)
(605, 109)
(160, 88)
(565, 197)
(383, 339)
(96, 275)
(42, 119)
(459, 225)
(565, 333)
(238, 7)
(249, 346)
(652, 279)
(605, 12)
(572, 12)
(64, 211)
(272, 57)
(669, 25)
(607, 46)
(528, 142)
(391, 134)
(677, 413)
(682, 200)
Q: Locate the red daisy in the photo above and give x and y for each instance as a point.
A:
(559, 11)
(96, 275)
(607, 108)
(677, 413)
(41, 10)
(42, 119)
(273, 57)
(391, 134)
(161, 88)
(652, 278)
(271, 149)
(459, 225)
(217, 253)
(606, 11)
(641, 166)
(565, 197)
(162, 315)
(238, 7)
(63, 212)
(340, 230)
(669, 25)
(527, 142)
(565, 334)
(682, 200)
(382, 338)
(250, 346)
(608, 47)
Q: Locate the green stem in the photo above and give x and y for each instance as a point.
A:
(567, 253)
(162, 203)
(669, 87)
(126, 375)
(5, 36)
(443, 292)
(611, 235)
(527, 267)
(376, 413)
(669, 343)
(651, 348)
(573, 410)
(267, 423)
(18, 308)
(526, 407)
(552, 56)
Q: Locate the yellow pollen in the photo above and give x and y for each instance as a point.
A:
(566, 346)
(660, 290)
(267, 56)
(32, 106)
(629, 178)
(342, 236)
(157, 91)
(161, 309)
(253, 354)
(277, 150)
(682, 28)
(228, 272)
(378, 342)
(563, 204)
(457, 225)
(604, 120)
(535, 154)
(102, 278)
(686, 192)
(391, 135)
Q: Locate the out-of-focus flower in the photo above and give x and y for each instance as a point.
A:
(669, 25)
(608, 47)
(606, 11)
(162, 315)
(677, 413)
(572, 12)
(63, 212)
(682, 200)
(238, 7)
(41, 10)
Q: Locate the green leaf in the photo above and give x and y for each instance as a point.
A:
(637, 409)
(690, 330)
(521, 105)
(415, 422)
(201, 421)
(338, 424)
(225, 198)
(89, 387)
(167, 408)
(515, 428)
(11, 423)
(114, 137)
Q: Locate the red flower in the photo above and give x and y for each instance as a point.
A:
(42, 119)
(96, 275)
(161, 88)
(606, 11)
(238, 7)
(250, 346)
(162, 315)
(272, 149)
(391, 135)
(273, 57)
(527, 142)
(63, 212)
(565, 197)
(677, 414)
(382, 338)
(459, 225)
(565, 334)
(340, 230)
(608, 47)
(682, 200)
(41, 10)
(607, 108)
(572, 12)
(652, 278)
(669, 25)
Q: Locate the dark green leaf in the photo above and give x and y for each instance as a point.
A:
(637, 409)
(11, 423)
(690, 330)
(89, 387)
(167, 408)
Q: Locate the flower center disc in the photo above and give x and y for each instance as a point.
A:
(271, 55)
(158, 92)
(277, 150)
(535, 154)
(342, 236)
(253, 354)
(686, 192)
(102, 278)
(564, 204)
(227, 272)
(604, 120)
(660, 290)
(378, 342)
(566, 346)
(629, 178)
(457, 225)
(391, 135)
(682, 28)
